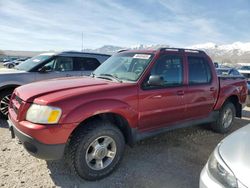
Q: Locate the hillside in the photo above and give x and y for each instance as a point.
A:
(234, 53)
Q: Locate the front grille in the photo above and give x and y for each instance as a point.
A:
(16, 103)
(18, 99)
(15, 109)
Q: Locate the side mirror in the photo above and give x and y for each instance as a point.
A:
(44, 69)
(155, 80)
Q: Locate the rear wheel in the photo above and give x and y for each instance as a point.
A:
(226, 118)
(10, 66)
(4, 102)
(96, 150)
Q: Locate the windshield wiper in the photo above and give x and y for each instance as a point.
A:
(110, 77)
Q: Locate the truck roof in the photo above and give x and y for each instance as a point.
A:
(75, 53)
(164, 49)
(81, 53)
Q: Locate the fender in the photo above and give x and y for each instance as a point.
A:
(87, 110)
(10, 85)
(224, 94)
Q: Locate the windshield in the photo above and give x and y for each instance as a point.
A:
(245, 68)
(222, 71)
(33, 62)
(124, 66)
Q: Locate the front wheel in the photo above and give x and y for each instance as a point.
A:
(4, 103)
(226, 118)
(96, 150)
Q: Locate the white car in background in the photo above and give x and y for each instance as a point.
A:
(43, 67)
(229, 164)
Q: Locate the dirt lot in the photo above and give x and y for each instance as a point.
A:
(174, 159)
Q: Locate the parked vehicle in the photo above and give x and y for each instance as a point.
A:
(245, 71)
(11, 64)
(3, 60)
(133, 95)
(229, 164)
(8, 59)
(228, 71)
(46, 66)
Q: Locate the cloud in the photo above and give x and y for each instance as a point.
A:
(43, 25)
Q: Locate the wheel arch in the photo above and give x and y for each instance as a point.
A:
(9, 87)
(235, 101)
(116, 119)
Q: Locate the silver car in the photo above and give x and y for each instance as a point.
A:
(46, 66)
(229, 164)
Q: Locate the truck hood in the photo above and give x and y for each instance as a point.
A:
(235, 151)
(10, 71)
(34, 90)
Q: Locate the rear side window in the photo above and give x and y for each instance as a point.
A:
(199, 71)
(86, 64)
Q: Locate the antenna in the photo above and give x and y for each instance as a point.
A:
(82, 42)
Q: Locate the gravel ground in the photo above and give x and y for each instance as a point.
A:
(174, 159)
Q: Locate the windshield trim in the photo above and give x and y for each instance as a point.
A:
(145, 69)
(35, 68)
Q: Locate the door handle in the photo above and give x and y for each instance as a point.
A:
(68, 75)
(157, 97)
(181, 92)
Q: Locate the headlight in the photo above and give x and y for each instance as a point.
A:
(43, 114)
(219, 170)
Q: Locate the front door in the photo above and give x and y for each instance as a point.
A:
(57, 67)
(161, 106)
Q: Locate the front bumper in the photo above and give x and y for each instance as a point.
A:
(36, 148)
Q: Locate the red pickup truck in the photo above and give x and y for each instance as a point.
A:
(131, 96)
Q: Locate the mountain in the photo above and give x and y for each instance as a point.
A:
(109, 49)
(236, 47)
(21, 53)
(237, 52)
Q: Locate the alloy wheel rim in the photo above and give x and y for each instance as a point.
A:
(227, 118)
(101, 152)
(4, 104)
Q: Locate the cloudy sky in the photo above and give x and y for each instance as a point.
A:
(58, 25)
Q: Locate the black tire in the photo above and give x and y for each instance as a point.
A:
(220, 126)
(80, 143)
(10, 66)
(3, 100)
(248, 101)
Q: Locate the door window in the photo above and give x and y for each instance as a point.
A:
(60, 64)
(170, 68)
(199, 71)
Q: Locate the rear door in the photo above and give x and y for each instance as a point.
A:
(163, 105)
(202, 89)
(85, 65)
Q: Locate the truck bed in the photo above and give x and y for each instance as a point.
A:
(235, 85)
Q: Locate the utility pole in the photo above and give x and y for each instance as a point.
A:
(82, 41)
